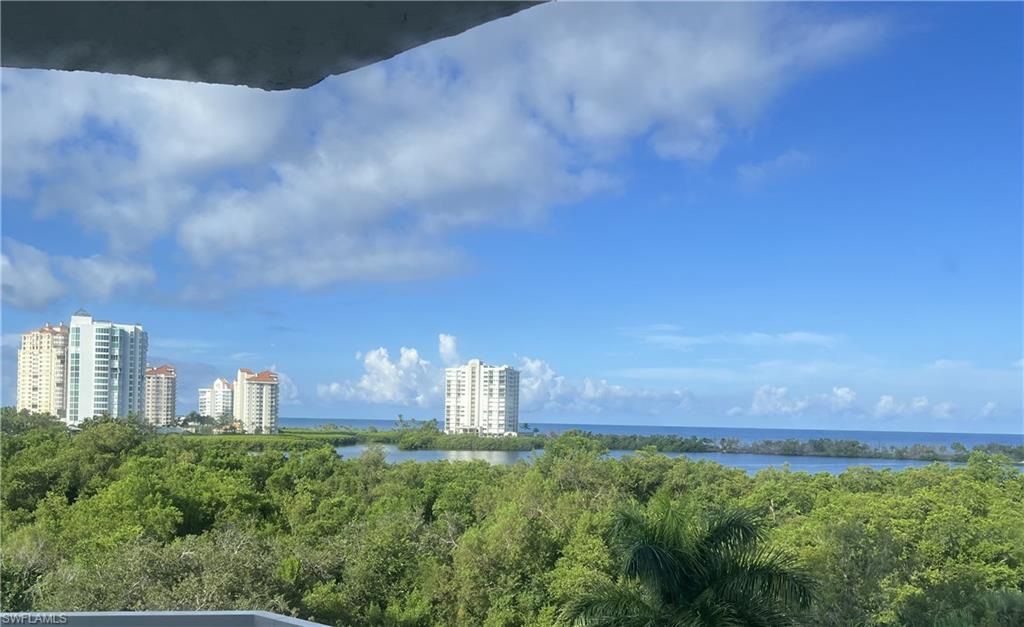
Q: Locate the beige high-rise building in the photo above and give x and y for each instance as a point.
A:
(161, 395)
(217, 401)
(255, 401)
(42, 370)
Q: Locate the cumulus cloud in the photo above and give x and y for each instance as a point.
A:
(375, 169)
(413, 380)
(101, 277)
(842, 398)
(770, 400)
(121, 154)
(988, 409)
(287, 391)
(541, 388)
(29, 281)
(408, 380)
(26, 274)
(888, 406)
(448, 348)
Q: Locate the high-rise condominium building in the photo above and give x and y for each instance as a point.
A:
(106, 368)
(217, 401)
(481, 399)
(161, 395)
(42, 370)
(255, 401)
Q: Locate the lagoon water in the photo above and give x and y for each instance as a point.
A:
(745, 461)
(744, 435)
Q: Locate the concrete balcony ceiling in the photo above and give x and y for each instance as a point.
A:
(269, 45)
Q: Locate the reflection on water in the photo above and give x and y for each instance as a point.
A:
(749, 462)
(394, 455)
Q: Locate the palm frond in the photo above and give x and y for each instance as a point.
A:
(711, 573)
(765, 573)
(731, 528)
(707, 611)
(657, 552)
(612, 604)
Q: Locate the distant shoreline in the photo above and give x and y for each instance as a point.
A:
(424, 436)
(643, 429)
(746, 436)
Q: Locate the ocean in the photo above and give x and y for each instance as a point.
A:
(743, 434)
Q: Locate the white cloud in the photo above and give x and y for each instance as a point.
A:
(918, 404)
(669, 336)
(409, 380)
(134, 177)
(412, 380)
(175, 345)
(888, 406)
(793, 371)
(448, 348)
(944, 410)
(842, 398)
(758, 172)
(968, 384)
(287, 391)
(101, 277)
(988, 409)
(376, 168)
(770, 400)
(26, 276)
(543, 389)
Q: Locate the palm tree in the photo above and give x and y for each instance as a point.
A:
(679, 572)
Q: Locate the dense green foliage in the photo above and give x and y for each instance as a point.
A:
(689, 571)
(115, 517)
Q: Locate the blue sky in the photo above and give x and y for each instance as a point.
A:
(673, 214)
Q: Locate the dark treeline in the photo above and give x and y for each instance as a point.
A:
(115, 517)
(410, 435)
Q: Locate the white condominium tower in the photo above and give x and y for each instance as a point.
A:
(42, 370)
(161, 395)
(217, 400)
(255, 402)
(106, 368)
(481, 399)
